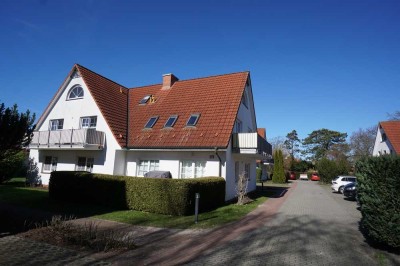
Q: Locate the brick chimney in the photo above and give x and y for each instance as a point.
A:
(168, 80)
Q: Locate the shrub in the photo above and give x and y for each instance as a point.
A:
(164, 196)
(378, 186)
(258, 175)
(329, 169)
(279, 172)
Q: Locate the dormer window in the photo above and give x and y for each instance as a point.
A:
(192, 121)
(151, 122)
(171, 121)
(75, 93)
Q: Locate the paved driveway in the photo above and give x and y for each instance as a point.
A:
(313, 227)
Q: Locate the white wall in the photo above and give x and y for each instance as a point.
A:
(170, 161)
(381, 147)
(245, 114)
(71, 111)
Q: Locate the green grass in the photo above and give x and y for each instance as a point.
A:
(14, 192)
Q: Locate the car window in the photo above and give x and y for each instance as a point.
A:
(344, 179)
(352, 179)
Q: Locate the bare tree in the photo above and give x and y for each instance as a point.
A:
(241, 188)
(278, 143)
(362, 142)
(394, 116)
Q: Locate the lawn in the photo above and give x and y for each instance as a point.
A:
(14, 193)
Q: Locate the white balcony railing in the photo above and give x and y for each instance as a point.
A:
(85, 138)
(250, 143)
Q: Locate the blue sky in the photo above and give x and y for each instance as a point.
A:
(314, 64)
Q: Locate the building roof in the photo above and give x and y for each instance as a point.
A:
(261, 132)
(392, 131)
(111, 98)
(216, 99)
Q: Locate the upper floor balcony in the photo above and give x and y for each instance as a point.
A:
(251, 143)
(85, 138)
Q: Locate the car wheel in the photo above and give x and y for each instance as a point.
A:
(341, 190)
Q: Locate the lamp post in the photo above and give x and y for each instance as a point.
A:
(196, 208)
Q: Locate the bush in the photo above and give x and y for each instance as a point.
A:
(378, 186)
(279, 172)
(258, 175)
(164, 196)
(328, 169)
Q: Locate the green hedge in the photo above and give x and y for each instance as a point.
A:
(378, 187)
(164, 196)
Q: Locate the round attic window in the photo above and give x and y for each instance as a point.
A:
(75, 93)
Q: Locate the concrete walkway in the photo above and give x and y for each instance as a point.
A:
(313, 227)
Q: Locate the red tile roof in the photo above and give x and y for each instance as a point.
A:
(216, 99)
(111, 98)
(261, 132)
(392, 131)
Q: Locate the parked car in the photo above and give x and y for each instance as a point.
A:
(350, 190)
(315, 177)
(303, 177)
(339, 182)
(292, 176)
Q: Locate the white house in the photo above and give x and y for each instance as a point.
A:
(387, 139)
(192, 128)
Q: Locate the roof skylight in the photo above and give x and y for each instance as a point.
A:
(192, 121)
(145, 99)
(171, 121)
(151, 122)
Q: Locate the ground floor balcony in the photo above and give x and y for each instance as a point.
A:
(251, 143)
(85, 138)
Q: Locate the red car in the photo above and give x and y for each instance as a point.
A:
(292, 176)
(315, 177)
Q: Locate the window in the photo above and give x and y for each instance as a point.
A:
(88, 122)
(151, 122)
(145, 99)
(247, 170)
(50, 164)
(171, 121)
(147, 166)
(384, 137)
(75, 93)
(244, 98)
(192, 121)
(236, 171)
(190, 169)
(56, 124)
(84, 164)
(238, 126)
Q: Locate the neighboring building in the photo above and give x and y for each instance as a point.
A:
(387, 139)
(192, 128)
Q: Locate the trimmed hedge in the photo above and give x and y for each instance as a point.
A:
(164, 196)
(378, 187)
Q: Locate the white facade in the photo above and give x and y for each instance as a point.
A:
(382, 144)
(71, 111)
(111, 158)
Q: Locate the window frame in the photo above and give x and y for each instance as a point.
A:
(87, 165)
(59, 125)
(76, 97)
(195, 122)
(174, 117)
(193, 169)
(150, 165)
(149, 125)
(49, 165)
(91, 118)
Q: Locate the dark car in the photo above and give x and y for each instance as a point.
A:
(350, 190)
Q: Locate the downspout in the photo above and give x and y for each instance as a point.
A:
(220, 162)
